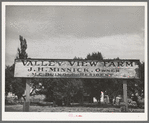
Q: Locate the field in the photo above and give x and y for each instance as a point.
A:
(37, 108)
(38, 105)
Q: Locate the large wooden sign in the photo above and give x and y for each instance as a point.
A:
(69, 68)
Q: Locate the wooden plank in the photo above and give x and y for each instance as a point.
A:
(30, 68)
(125, 94)
(27, 101)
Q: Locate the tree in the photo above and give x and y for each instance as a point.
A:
(58, 90)
(137, 85)
(93, 86)
(111, 87)
(16, 85)
(8, 79)
(94, 56)
(22, 52)
(77, 57)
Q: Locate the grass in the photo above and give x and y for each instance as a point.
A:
(37, 105)
(37, 108)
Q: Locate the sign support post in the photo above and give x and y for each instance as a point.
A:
(125, 94)
(27, 101)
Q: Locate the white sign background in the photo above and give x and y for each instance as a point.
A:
(41, 68)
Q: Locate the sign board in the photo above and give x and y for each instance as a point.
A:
(69, 68)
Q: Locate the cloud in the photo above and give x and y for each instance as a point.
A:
(66, 32)
(77, 21)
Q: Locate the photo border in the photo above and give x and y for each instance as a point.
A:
(29, 117)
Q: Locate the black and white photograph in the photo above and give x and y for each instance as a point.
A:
(74, 61)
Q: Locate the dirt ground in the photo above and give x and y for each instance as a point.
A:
(19, 108)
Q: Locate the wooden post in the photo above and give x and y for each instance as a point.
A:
(27, 101)
(125, 94)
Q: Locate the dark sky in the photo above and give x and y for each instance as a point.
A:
(69, 31)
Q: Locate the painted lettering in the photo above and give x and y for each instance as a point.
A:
(40, 68)
(93, 63)
(53, 69)
(120, 64)
(71, 63)
(51, 63)
(86, 70)
(84, 63)
(24, 62)
(59, 63)
(30, 63)
(79, 69)
(97, 70)
(30, 69)
(42, 63)
(129, 64)
(63, 69)
(105, 63)
(112, 63)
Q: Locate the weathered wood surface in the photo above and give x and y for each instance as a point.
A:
(68, 68)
